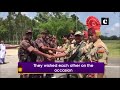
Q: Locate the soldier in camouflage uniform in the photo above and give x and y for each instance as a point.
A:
(77, 52)
(99, 51)
(53, 43)
(42, 43)
(71, 51)
(85, 52)
(28, 53)
(64, 48)
(78, 45)
(86, 47)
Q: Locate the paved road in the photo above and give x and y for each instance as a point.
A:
(9, 70)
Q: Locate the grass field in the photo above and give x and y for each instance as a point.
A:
(113, 47)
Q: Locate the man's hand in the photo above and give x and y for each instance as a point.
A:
(50, 56)
(54, 56)
(60, 50)
(59, 55)
(50, 52)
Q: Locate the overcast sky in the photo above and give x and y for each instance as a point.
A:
(112, 29)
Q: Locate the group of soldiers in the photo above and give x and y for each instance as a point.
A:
(85, 46)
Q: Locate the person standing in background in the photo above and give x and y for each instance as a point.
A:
(2, 52)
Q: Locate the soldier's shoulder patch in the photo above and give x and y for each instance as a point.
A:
(101, 50)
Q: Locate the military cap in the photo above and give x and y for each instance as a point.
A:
(28, 31)
(78, 33)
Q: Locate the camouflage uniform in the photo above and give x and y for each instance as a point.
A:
(47, 43)
(76, 47)
(66, 47)
(95, 52)
(78, 57)
(99, 52)
(69, 47)
(43, 42)
(39, 42)
(25, 53)
(86, 57)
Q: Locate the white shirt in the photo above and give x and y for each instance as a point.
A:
(2, 51)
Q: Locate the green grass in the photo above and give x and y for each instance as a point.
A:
(113, 47)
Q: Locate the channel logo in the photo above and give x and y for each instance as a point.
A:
(105, 21)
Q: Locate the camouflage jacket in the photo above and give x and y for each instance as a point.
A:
(25, 53)
(99, 52)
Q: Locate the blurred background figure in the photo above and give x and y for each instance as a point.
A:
(2, 52)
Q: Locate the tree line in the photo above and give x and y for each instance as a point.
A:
(114, 37)
(14, 26)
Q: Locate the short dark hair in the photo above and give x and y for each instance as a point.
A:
(66, 36)
(71, 35)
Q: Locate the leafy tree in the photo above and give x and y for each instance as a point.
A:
(57, 23)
